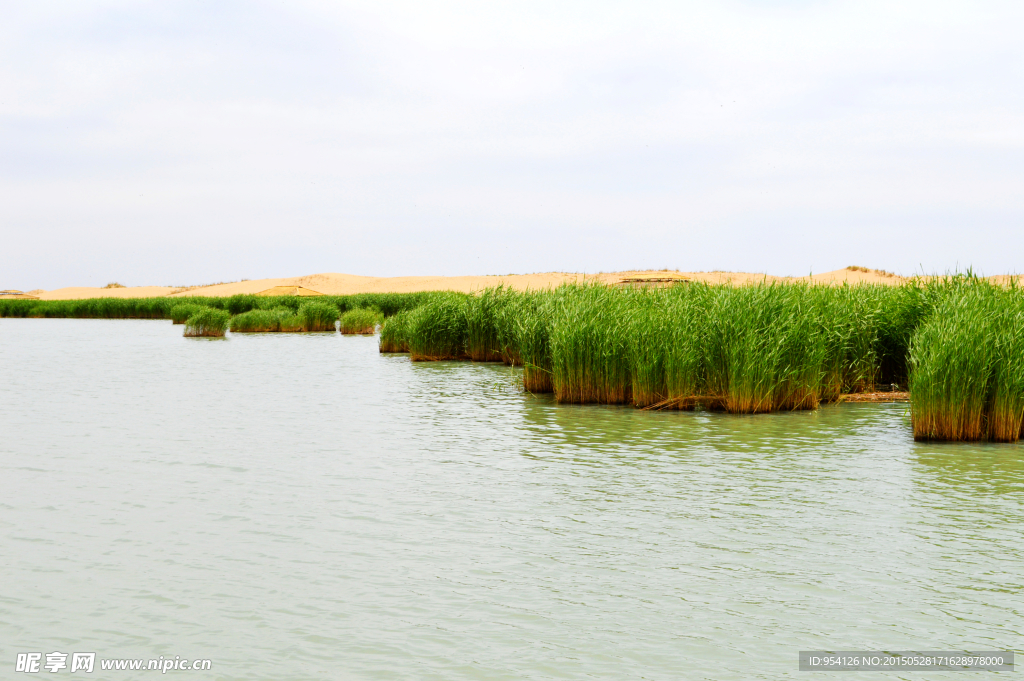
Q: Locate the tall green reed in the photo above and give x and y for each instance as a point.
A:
(318, 316)
(967, 364)
(266, 321)
(360, 320)
(207, 322)
(180, 313)
(482, 324)
(394, 332)
(590, 345)
(439, 330)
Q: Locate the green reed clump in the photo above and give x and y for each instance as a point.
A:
(318, 316)
(764, 350)
(47, 309)
(439, 330)
(208, 322)
(241, 302)
(394, 332)
(648, 345)
(484, 313)
(180, 313)
(849, 319)
(525, 330)
(667, 351)
(281, 319)
(967, 365)
(1005, 412)
(951, 363)
(590, 345)
(389, 303)
(512, 306)
(903, 310)
(360, 320)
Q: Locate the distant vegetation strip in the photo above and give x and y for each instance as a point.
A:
(161, 308)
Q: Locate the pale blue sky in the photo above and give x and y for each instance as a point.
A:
(188, 142)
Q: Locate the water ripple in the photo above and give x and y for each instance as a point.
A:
(301, 507)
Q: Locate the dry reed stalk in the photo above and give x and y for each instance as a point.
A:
(537, 380)
(590, 391)
(390, 345)
(484, 354)
(1004, 423)
(689, 403)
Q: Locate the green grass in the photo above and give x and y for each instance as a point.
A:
(361, 321)
(848, 318)
(207, 322)
(745, 350)
(318, 316)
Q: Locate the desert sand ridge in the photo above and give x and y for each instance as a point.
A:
(346, 284)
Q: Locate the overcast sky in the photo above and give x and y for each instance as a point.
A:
(180, 143)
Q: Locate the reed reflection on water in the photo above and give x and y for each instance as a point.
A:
(300, 507)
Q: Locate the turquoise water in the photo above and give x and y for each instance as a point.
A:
(301, 507)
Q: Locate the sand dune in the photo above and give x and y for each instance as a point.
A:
(77, 292)
(346, 284)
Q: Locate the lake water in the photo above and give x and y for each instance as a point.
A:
(301, 507)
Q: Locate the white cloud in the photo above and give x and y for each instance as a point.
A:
(176, 142)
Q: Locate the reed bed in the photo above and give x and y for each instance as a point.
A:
(482, 324)
(666, 340)
(439, 330)
(530, 335)
(160, 307)
(318, 316)
(956, 342)
(512, 307)
(967, 366)
(590, 345)
(360, 320)
(91, 308)
(394, 332)
(277, 320)
(207, 322)
(180, 313)
(751, 349)
(751, 352)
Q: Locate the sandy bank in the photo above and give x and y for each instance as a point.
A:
(347, 284)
